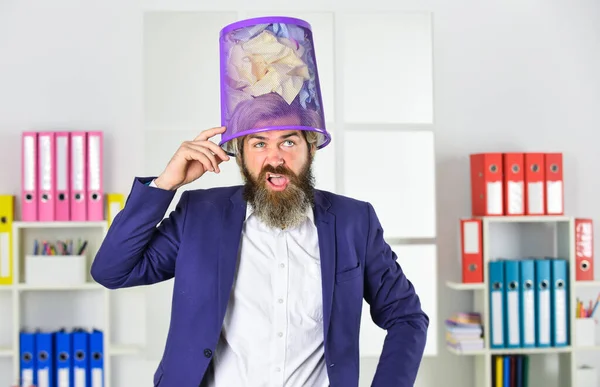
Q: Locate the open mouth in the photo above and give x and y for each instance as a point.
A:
(277, 182)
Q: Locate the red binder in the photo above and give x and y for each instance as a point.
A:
(471, 244)
(514, 184)
(554, 184)
(584, 250)
(486, 184)
(534, 184)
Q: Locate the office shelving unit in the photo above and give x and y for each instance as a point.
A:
(561, 229)
(87, 305)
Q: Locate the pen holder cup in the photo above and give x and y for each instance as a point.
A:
(586, 377)
(55, 269)
(585, 332)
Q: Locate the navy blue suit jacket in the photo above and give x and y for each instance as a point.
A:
(198, 246)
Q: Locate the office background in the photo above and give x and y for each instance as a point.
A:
(482, 77)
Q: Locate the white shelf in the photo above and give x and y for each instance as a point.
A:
(467, 353)
(87, 286)
(525, 219)
(587, 284)
(590, 348)
(509, 237)
(463, 286)
(121, 350)
(99, 224)
(525, 351)
(86, 305)
(518, 351)
(6, 352)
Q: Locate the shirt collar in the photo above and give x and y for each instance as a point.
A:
(309, 213)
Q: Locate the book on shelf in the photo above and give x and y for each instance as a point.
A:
(464, 332)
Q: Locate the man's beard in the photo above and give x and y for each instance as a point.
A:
(280, 209)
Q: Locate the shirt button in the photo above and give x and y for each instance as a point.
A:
(281, 265)
(207, 352)
(280, 300)
(280, 334)
(278, 369)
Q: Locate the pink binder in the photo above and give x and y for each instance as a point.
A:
(29, 181)
(46, 176)
(78, 200)
(95, 186)
(63, 172)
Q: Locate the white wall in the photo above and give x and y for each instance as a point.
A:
(520, 76)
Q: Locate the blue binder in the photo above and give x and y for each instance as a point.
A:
(64, 359)
(559, 293)
(496, 280)
(512, 304)
(81, 363)
(27, 359)
(44, 342)
(542, 303)
(97, 358)
(527, 274)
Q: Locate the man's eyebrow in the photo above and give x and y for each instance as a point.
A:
(259, 137)
(290, 135)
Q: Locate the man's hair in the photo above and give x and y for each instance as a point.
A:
(269, 107)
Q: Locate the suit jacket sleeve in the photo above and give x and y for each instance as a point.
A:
(394, 307)
(135, 251)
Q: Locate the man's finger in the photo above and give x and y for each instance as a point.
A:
(215, 148)
(206, 134)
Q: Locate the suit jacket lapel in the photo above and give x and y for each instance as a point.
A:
(231, 233)
(325, 222)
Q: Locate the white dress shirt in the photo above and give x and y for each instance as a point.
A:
(273, 330)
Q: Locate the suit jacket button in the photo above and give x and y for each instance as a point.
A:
(207, 352)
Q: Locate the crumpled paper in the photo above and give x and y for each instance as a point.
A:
(268, 64)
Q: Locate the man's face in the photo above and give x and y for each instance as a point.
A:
(277, 168)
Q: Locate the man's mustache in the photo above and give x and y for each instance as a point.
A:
(278, 170)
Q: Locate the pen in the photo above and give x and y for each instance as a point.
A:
(595, 306)
(82, 248)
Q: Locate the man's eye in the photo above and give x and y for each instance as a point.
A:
(288, 143)
(259, 144)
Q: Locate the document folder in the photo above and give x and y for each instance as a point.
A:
(496, 278)
(559, 298)
(29, 177)
(512, 288)
(47, 176)
(527, 273)
(63, 171)
(77, 186)
(7, 209)
(81, 362)
(95, 180)
(27, 359)
(542, 302)
(64, 359)
(44, 343)
(97, 358)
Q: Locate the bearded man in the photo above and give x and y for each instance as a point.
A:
(269, 277)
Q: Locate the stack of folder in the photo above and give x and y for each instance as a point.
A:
(529, 303)
(62, 177)
(62, 358)
(464, 332)
(517, 184)
(510, 371)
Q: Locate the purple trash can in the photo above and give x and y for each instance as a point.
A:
(269, 80)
